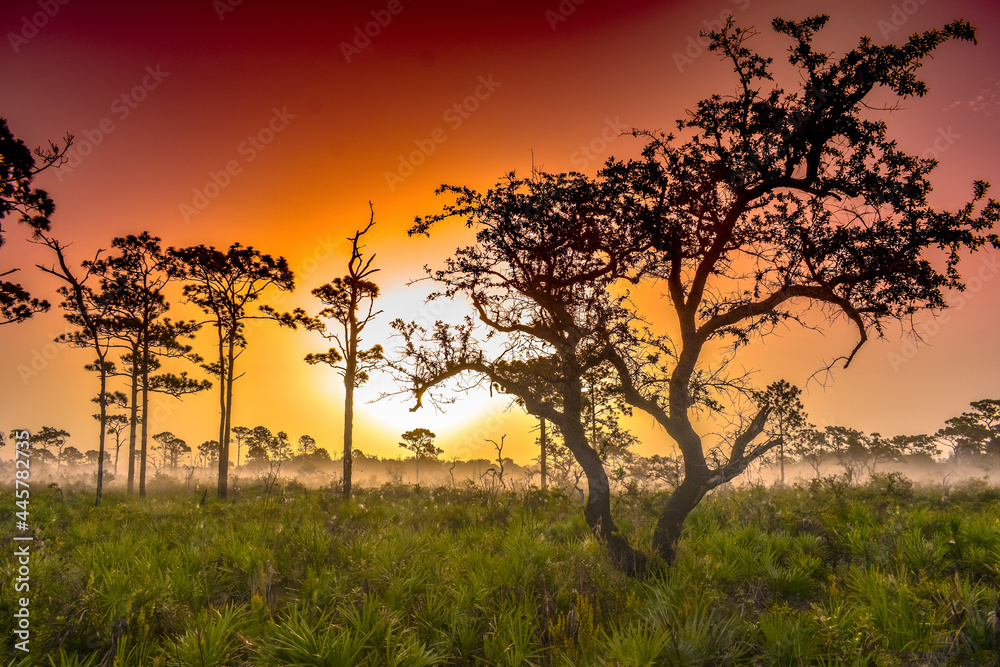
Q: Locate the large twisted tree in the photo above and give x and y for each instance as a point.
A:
(767, 204)
(548, 249)
(776, 202)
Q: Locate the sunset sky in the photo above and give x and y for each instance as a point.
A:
(274, 125)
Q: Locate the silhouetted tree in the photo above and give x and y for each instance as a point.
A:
(307, 445)
(976, 432)
(780, 201)
(666, 469)
(172, 448)
(114, 424)
(18, 168)
(209, 452)
(769, 204)
(224, 285)
(811, 448)
(240, 434)
(350, 302)
(90, 311)
(547, 251)
(259, 444)
(47, 439)
(420, 441)
(787, 417)
(133, 282)
(922, 447)
(280, 448)
(71, 456)
(91, 457)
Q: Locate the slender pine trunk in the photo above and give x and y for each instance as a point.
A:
(144, 445)
(132, 420)
(348, 432)
(104, 416)
(541, 426)
(223, 470)
(350, 380)
(227, 416)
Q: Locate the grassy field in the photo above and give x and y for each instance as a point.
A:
(826, 574)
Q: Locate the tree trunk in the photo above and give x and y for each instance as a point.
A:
(348, 432)
(132, 422)
(227, 417)
(781, 457)
(541, 426)
(104, 416)
(144, 445)
(222, 405)
(671, 522)
(598, 509)
(350, 379)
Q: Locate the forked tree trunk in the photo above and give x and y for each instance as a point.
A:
(671, 522)
(598, 509)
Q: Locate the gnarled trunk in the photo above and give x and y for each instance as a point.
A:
(671, 522)
(598, 509)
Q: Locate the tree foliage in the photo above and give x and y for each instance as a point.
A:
(47, 439)
(18, 167)
(133, 283)
(420, 441)
(976, 432)
(171, 447)
(90, 310)
(348, 302)
(225, 285)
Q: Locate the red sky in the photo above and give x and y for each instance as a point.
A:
(164, 98)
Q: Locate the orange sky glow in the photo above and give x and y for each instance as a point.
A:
(274, 124)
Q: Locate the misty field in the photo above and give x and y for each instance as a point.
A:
(820, 574)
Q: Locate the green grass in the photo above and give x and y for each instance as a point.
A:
(827, 574)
